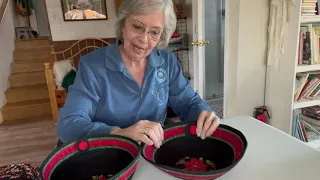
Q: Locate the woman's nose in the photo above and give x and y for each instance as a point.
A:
(144, 37)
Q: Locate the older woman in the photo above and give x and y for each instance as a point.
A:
(125, 88)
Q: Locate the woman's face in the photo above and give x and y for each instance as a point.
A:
(141, 33)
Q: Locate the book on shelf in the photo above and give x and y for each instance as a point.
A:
(309, 44)
(304, 127)
(307, 85)
(310, 7)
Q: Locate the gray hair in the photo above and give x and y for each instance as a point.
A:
(129, 7)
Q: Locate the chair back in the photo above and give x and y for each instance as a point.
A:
(73, 53)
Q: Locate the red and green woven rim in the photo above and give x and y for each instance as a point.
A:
(64, 152)
(178, 130)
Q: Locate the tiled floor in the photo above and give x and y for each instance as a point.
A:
(29, 142)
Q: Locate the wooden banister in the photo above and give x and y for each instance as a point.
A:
(3, 8)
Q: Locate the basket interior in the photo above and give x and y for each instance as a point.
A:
(84, 165)
(217, 151)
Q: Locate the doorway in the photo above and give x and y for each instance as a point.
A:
(208, 49)
(214, 54)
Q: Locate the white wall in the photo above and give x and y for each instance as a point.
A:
(62, 30)
(280, 86)
(7, 35)
(247, 22)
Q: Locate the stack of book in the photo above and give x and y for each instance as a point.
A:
(306, 123)
(312, 116)
(307, 85)
(310, 7)
(176, 39)
(177, 42)
(309, 40)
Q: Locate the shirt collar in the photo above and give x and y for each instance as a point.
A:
(113, 59)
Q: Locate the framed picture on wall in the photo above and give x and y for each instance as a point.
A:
(84, 10)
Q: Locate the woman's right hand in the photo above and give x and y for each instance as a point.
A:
(148, 132)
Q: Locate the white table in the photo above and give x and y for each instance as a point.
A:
(271, 155)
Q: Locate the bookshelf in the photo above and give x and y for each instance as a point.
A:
(281, 99)
(310, 19)
(306, 103)
(179, 46)
(314, 144)
(307, 68)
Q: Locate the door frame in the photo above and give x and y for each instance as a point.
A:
(198, 59)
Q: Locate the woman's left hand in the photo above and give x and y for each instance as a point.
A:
(207, 123)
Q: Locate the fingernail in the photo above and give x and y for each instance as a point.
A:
(203, 137)
(198, 134)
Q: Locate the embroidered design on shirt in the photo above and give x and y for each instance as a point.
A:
(160, 86)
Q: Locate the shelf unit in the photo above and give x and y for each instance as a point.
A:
(306, 68)
(181, 50)
(306, 103)
(280, 81)
(314, 144)
(310, 19)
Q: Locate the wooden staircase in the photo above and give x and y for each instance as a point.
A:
(27, 97)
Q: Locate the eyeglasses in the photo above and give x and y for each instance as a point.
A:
(155, 34)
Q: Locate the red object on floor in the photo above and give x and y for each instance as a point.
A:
(262, 117)
(262, 114)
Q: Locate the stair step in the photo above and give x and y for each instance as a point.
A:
(26, 93)
(27, 78)
(32, 54)
(26, 110)
(28, 66)
(31, 43)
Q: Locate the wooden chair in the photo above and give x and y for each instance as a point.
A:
(79, 48)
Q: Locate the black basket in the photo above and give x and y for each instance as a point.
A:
(186, 156)
(113, 157)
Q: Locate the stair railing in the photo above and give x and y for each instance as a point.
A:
(3, 8)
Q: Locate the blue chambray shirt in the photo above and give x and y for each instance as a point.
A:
(104, 94)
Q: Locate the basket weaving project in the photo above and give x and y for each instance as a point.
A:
(184, 155)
